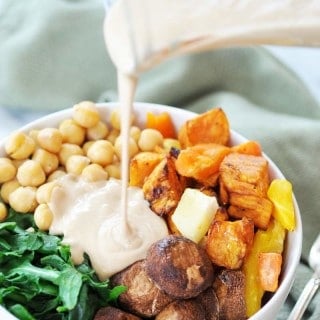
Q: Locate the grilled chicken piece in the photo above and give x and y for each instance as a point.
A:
(163, 187)
(229, 286)
(142, 297)
(179, 267)
(182, 310)
(244, 182)
(209, 303)
(111, 313)
(229, 241)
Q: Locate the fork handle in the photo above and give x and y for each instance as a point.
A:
(307, 294)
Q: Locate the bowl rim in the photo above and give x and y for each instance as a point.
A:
(273, 305)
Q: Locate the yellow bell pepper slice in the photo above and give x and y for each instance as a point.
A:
(280, 194)
(270, 240)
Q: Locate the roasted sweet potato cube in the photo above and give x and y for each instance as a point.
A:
(229, 286)
(269, 270)
(248, 147)
(163, 188)
(141, 165)
(228, 242)
(209, 127)
(256, 208)
(245, 174)
(202, 162)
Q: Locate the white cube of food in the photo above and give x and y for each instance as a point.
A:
(194, 214)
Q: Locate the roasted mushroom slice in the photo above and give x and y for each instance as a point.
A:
(179, 267)
(142, 297)
(182, 310)
(229, 286)
(209, 303)
(111, 313)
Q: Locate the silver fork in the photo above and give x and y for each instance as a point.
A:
(312, 285)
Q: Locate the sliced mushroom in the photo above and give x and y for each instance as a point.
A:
(182, 310)
(210, 304)
(229, 286)
(142, 297)
(179, 267)
(111, 313)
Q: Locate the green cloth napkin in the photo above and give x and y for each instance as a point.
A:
(52, 55)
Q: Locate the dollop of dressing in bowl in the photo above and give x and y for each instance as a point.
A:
(88, 215)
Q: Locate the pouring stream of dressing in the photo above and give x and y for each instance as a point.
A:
(115, 227)
(141, 33)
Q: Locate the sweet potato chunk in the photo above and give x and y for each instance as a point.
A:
(202, 162)
(269, 270)
(163, 187)
(209, 127)
(141, 165)
(256, 208)
(229, 286)
(245, 174)
(248, 147)
(142, 297)
(244, 182)
(228, 242)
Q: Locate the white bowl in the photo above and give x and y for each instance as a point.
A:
(293, 243)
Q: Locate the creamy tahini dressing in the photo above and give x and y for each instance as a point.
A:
(89, 216)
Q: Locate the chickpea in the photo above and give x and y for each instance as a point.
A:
(31, 174)
(7, 170)
(3, 211)
(75, 164)
(114, 170)
(98, 132)
(86, 114)
(43, 217)
(55, 175)
(19, 146)
(150, 138)
(133, 147)
(43, 194)
(135, 133)
(23, 199)
(50, 139)
(48, 161)
(101, 152)
(72, 132)
(34, 135)
(18, 163)
(7, 188)
(94, 172)
(113, 135)
(86, 146)
(115, 119)
(67, 150)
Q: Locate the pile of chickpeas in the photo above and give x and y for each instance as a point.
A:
(83, 145)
